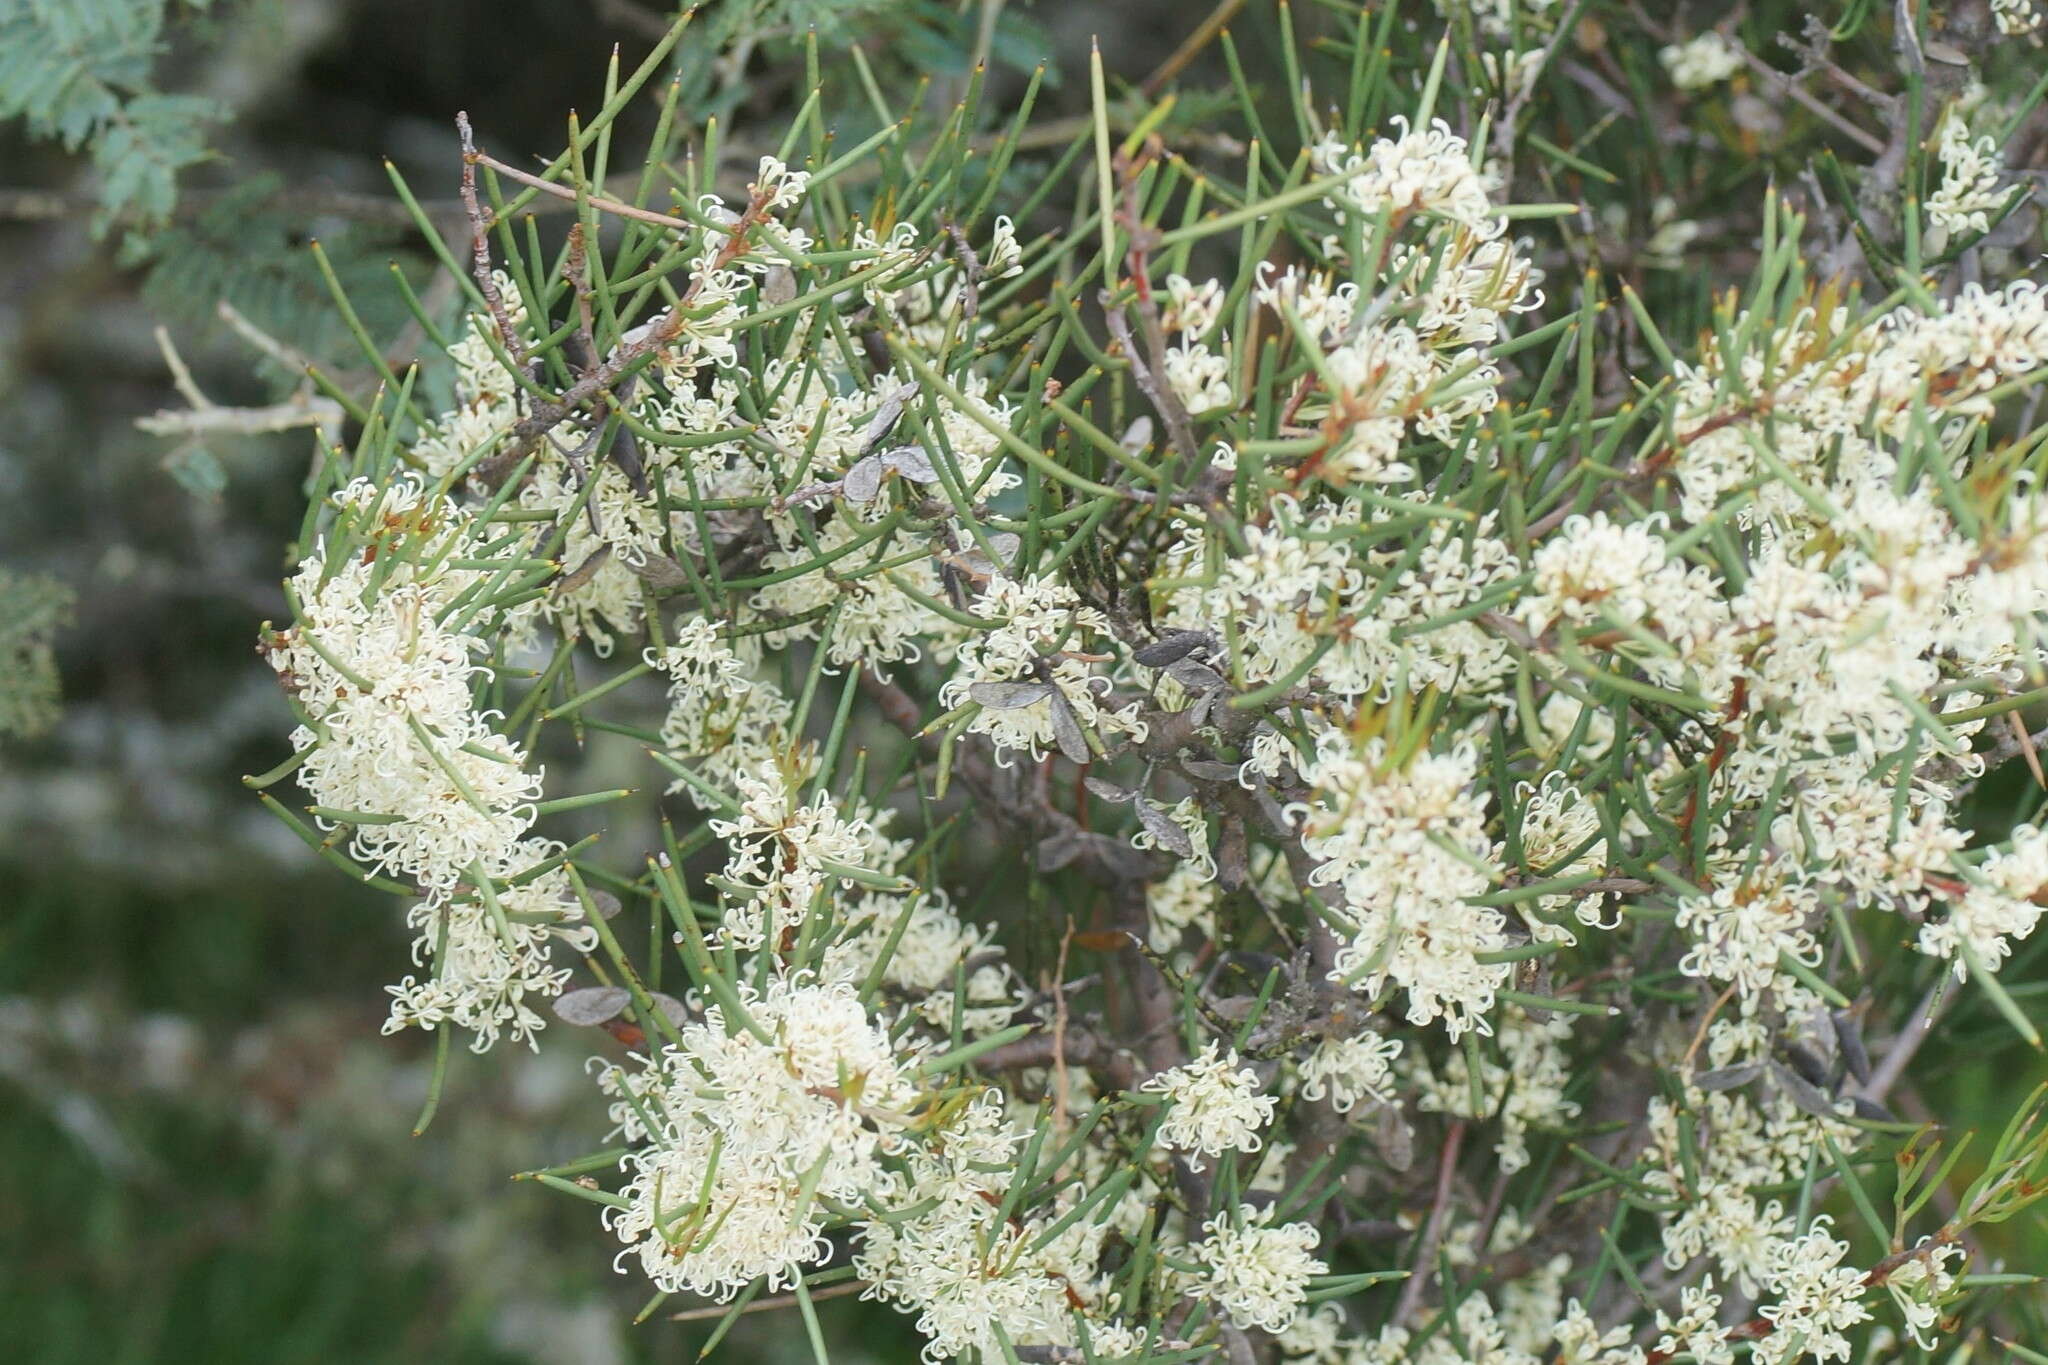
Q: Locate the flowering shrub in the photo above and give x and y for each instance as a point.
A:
(1269, 771)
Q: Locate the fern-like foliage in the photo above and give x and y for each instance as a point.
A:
(32, 607)
(80, 71)
(247, 247)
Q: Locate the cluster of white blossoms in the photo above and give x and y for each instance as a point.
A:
(1524, 1089)
(784, 854)
(974, 1280)
(744, 1126)
(1033, 679)
(1199, 376)
(2000, 905)
(1409, 851)
(1817, 1296)
(1348, 1070)
(1259, 1272)
(2016, 17)
(1420, 357)
(1971, 170)
(719, 718)
(1499, 18)
(382, 661)
(1215, 1105)
(1101, 863)
(1701, 61)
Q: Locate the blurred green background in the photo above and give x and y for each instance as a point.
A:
(206, 1142)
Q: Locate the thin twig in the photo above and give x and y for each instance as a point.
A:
(1910, 1036)
(600, 202)
(719, 1310)
(480, 245)
(1225, 11)
(1786, 85)
(1059, 1034)
(1433, 1234)
(545, 417)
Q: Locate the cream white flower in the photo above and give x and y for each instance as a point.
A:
(1258, 1273)
(397, 752)
(2016, 17)
(778, 185)
(744, 1124)
(1706, 59)
(1348, 1070)
(1381, 836)
(1005, 257)
(1817, 1295)
(1970, 171)
(1215, 1106)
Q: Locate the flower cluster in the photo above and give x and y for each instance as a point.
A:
(744, 1126)
(1258, 1272)
(1970, 172)
(1177, 802)
(383, 662)
(1409, 851)
(1704, 60)
(1214, 1106)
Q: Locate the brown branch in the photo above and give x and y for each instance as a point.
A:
(546, 416)
(1204, 34)
(1433, 1233)
(602, 203)
(1784, 84)
(480, 245)
(1080, 1046)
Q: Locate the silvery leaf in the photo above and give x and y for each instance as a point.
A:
(912, 463)
(972, 561)
(1849, 1034)
(1008, 696)
(1393, 1136)
(885, 419)
(1165, 833)
(1169, 648)
(659, 571)
(1209, 770)
(1107, 790)
(1195, 676)
(1233, 856)
(1729, 1077)
(1055, 851)
(974, 564)
(583, 572)
(1066, 730)
(1810, 1067)
(592, 1005)
(1806, 1097)
(863, 481)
